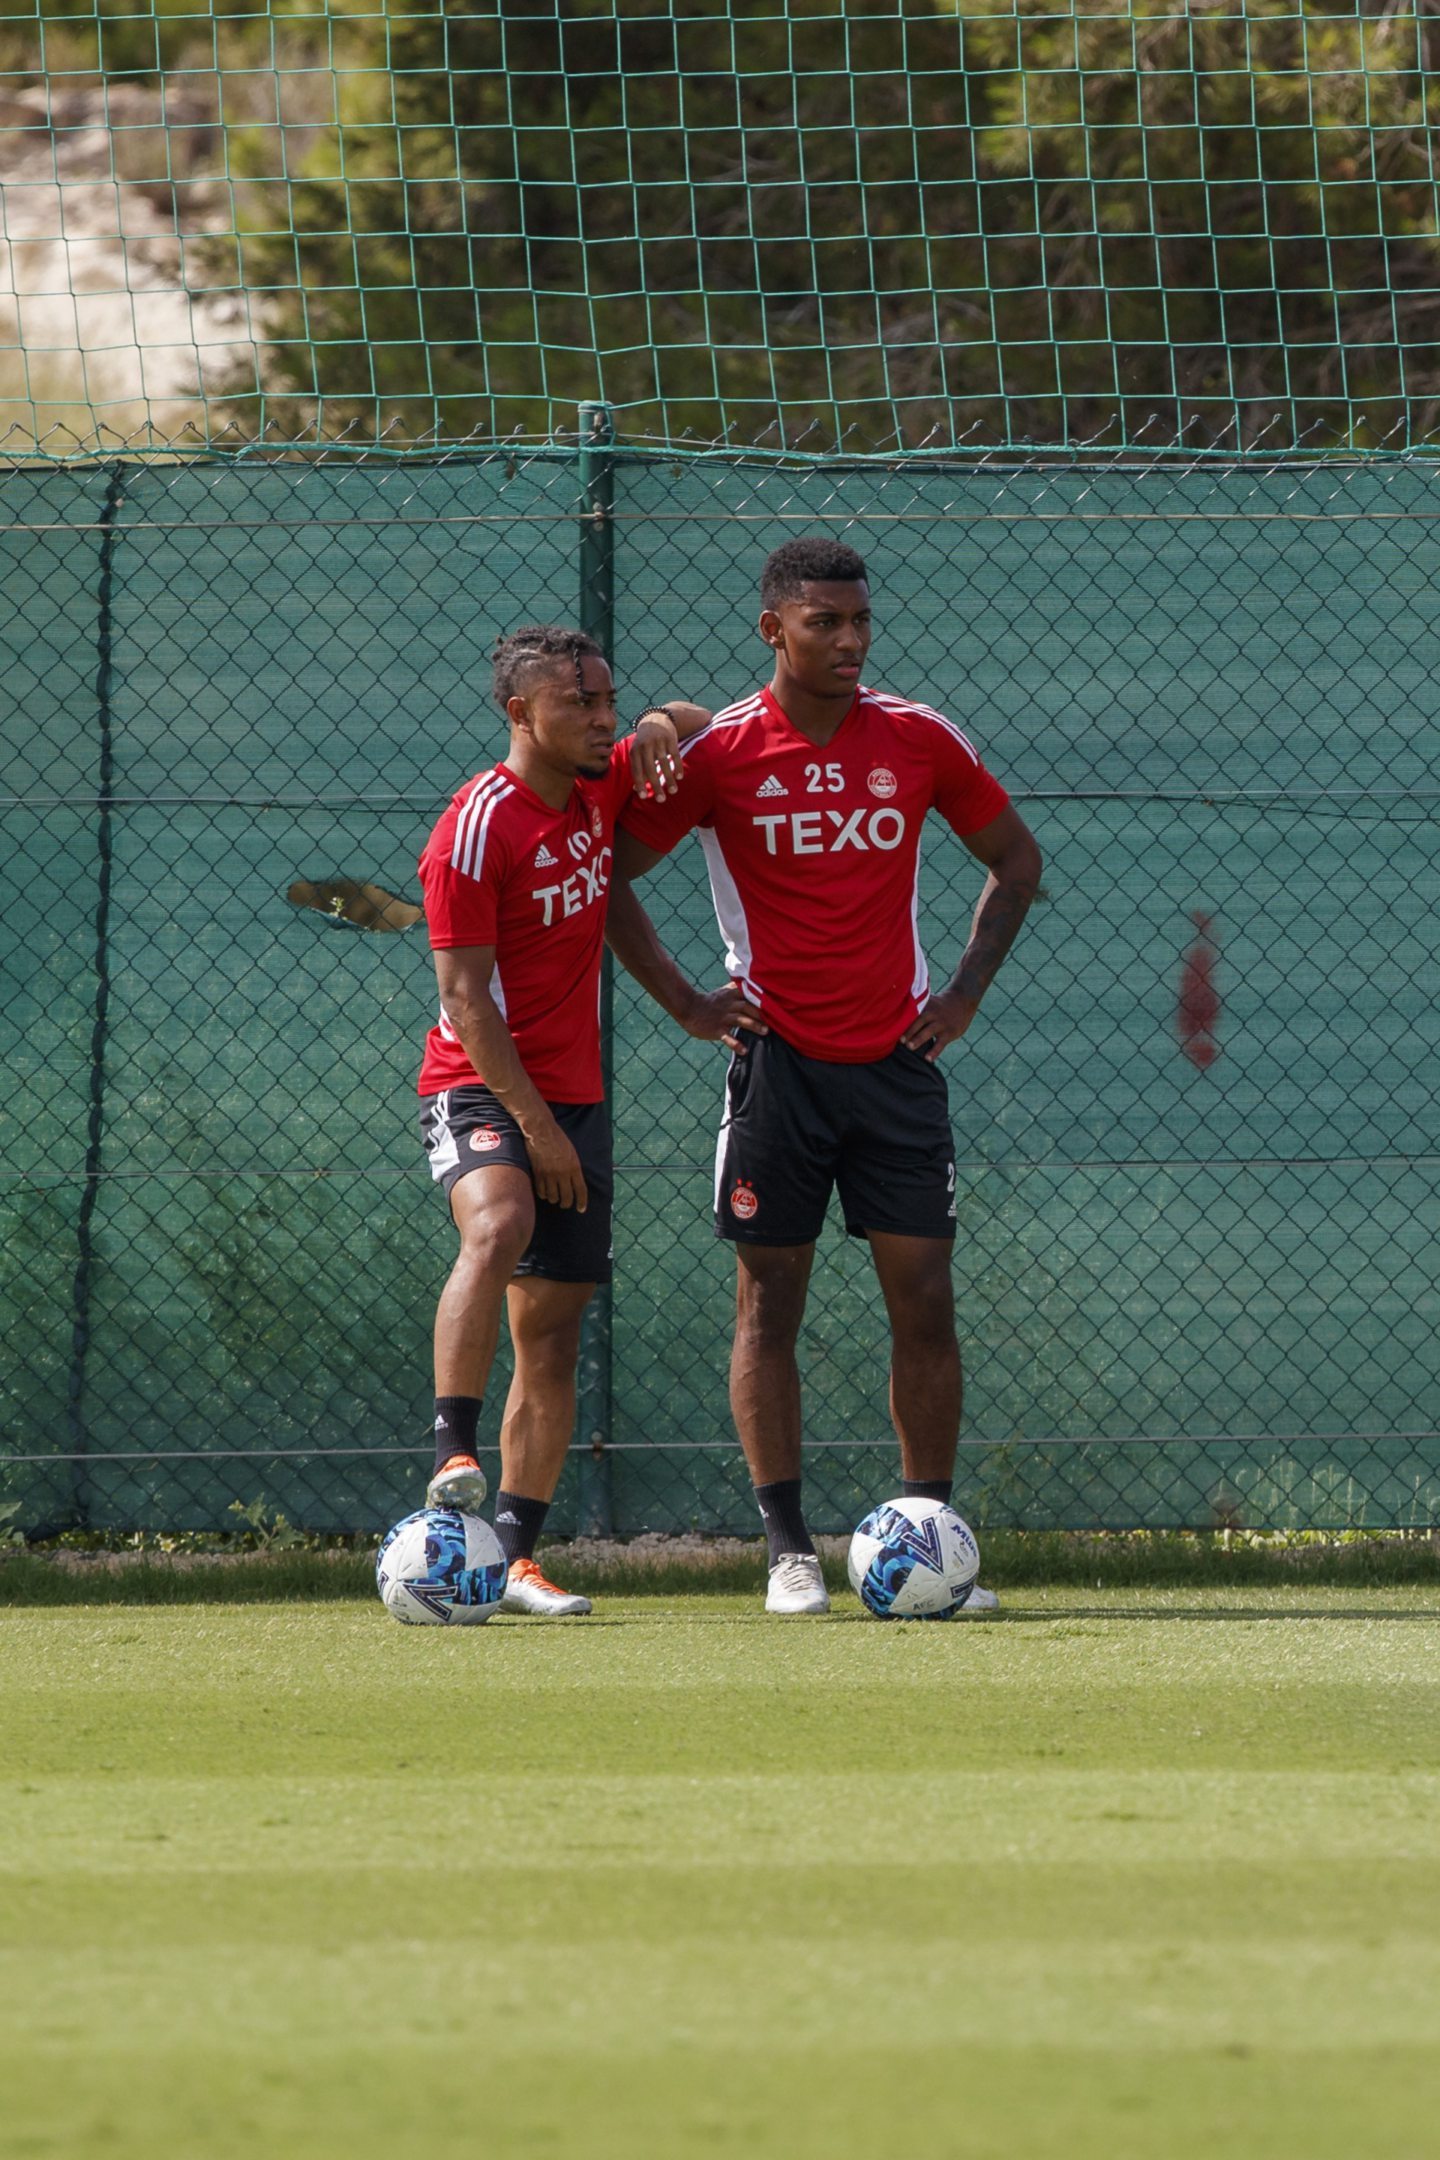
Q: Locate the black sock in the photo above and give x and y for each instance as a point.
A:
(457, 1421)
(927, 1489)
(783, 1517)
(518, 1523)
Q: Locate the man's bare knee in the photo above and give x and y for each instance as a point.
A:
(771, 1288)
(491, 1244)
(494, 1212)
(926, 1320)
(545, 1322)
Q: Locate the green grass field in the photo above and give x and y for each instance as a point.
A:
(1129, 1873)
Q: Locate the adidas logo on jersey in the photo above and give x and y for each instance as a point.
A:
(771, 787)
(544, 860)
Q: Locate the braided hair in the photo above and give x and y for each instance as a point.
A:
(522, 654)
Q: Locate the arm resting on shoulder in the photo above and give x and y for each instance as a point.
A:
(654, 766)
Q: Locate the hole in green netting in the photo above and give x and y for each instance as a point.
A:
(351, 905)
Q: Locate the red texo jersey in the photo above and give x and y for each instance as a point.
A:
(502, 868)
(813, 859)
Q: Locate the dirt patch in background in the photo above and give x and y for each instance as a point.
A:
(116, 309)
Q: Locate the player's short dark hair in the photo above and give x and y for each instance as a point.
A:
(522, 655)
(799, 563)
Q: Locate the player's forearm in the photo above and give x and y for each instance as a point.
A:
(688, 718)
(1002, 908)
(490, 1047)
(630, 934)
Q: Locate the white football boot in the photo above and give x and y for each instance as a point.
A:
(797, 1585)
(459, 1483)
(980, 1605)
(527, 1591)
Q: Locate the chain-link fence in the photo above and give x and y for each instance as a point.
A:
(1197, 1262)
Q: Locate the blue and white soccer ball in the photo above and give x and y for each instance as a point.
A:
(441, 1569)
(913, 1560)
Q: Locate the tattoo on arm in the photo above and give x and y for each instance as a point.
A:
(997, 920)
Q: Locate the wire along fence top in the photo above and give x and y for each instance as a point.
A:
(802, 227)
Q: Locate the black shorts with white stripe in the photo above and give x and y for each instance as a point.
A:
(465, 1129)
(795, 1128)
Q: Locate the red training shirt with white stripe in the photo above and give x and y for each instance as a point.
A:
(813, 857)
(502, 868)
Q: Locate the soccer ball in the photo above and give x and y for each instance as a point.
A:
(441, 1568)
(913, 1560)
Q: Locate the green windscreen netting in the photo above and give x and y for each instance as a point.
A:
(774, 221)
(1197, 1270)
(1107, 333)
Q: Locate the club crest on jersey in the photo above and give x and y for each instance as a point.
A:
(882, 782)
(742, 1200)
(596, 826)
(484, 1139)
(772, 787)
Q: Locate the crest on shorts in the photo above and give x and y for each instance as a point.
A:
(484, 1139)
(742, 1199)
(882, 782)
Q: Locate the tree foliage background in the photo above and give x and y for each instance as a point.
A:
(871, 220)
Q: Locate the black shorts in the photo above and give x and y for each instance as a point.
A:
(794, 1126)
(464, 1128)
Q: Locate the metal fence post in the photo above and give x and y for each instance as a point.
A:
(78, 1427)
(597, 616)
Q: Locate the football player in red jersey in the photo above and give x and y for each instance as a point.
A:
(516, 876)
(809, 797)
